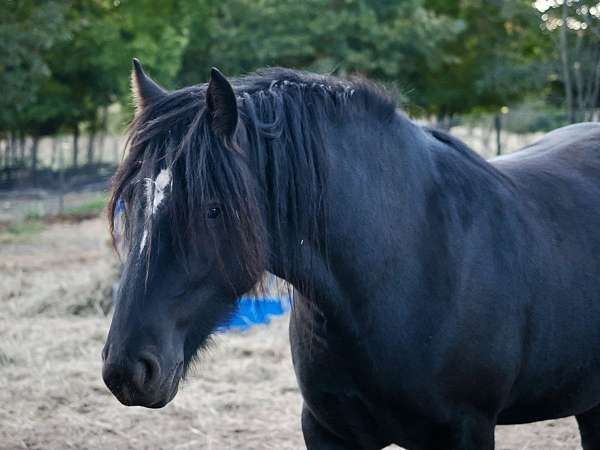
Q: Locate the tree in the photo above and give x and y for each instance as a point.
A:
(496, 57)
(94, 63)
(27, 30)
(394, 42)
(62, 62)
(574, 28)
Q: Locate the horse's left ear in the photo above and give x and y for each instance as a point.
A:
(221, 102)
(145, 89)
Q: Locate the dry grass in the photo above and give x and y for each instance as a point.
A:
(51, 333)
(242, 396)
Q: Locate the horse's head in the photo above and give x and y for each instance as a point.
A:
(193, 235)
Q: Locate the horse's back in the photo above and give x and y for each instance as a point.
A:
(567, 148)
(558, 178)
(556, 194)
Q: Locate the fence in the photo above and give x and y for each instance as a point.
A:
(57, 166)
(53, 161)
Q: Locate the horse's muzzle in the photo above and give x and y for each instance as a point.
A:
(140, 381)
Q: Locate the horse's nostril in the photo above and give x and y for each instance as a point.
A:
(113, 378)
(147, 371)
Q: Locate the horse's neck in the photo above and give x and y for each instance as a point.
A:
(387, 185)
(369, 164)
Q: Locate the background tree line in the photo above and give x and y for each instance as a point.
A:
(65, 63)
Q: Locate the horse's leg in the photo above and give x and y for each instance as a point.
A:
(472, 432)
(317, 437)
(589, 428)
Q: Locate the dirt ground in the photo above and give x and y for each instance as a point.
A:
(242, 396)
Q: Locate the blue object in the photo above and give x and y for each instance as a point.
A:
(253, 311)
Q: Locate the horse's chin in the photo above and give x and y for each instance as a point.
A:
(164, 402)
(192, 357)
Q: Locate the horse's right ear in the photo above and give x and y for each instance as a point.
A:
(222, 104)
(145, 90)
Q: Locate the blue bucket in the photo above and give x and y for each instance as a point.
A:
(254, 311)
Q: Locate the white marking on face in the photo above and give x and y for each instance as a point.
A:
(155, 191)
(163, 180)
(143, 241)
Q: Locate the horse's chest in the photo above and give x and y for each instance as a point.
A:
(329, 380)
(342, 390)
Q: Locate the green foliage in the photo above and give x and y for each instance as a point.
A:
(534, 114)
(92, 207)
(35, 214)
(63, 62)
(25, 228)
(497, 56)
(28, 29)
(390, 41)
(446, 57)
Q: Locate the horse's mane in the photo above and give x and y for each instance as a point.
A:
(284, 116)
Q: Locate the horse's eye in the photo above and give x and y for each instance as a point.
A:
(213, 212)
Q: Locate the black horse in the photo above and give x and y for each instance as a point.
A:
(441, 294)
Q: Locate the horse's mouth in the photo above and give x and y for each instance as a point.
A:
(172, 387)
(176, 378)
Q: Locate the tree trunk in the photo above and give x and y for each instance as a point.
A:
(22, 142)
(61, 178)
(53, 157)
(581, 109)
(6, 162)
(593, 88)
(13, 148)
(76, 146)
(443, 119)
(90, 147)
(103, 132)
(498, 128)
(116, 149)
(34, 158)
(564, 56)
(5, 153)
